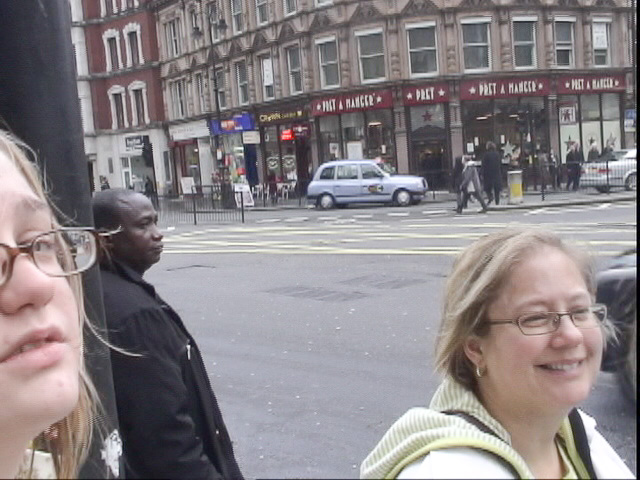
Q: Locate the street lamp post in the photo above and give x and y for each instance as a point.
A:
(226, 191)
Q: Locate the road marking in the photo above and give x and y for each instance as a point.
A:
(363, 216)
(268, 220)
(296, 219)
(398, 214)
(434, 212)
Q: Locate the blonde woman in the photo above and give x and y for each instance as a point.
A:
(520, 346)
(46, 398)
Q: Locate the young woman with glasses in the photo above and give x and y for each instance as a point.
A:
(520, 345)
(46, 399)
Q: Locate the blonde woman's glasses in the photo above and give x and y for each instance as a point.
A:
(540, 323)
(58, 253)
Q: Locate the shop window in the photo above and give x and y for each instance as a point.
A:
(590, 118)
(268, 90)
(330, 138)
(173, 35)
(295, 71)
(261, 11)
(423, 53)
(272, 152)
(611, 121)
(289, 7)
(478, 130)
(178, 99)
(353, 134)
(476, 41)
(242, 82)
(601, 32)
(328, 61)
(564, 42)
(371, 55)
(380, 136)
(222, 88)
(524, 42)
(568, 119)
(237, 16)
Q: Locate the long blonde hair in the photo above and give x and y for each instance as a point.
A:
(67, 440)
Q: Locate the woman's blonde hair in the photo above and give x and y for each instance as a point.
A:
(67, 440)
(476, 280)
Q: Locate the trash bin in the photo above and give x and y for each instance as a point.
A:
(514, 180)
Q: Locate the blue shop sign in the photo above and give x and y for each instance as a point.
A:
(239, 123)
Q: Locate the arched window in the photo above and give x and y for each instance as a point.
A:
(133, 44)
(139, 105)
(119, 118)
(113, 57)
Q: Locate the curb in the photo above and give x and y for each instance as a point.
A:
(541, 204)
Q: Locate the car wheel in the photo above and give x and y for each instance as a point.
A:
(403, 198)
(326, 202)
(602, 189)
(630, 183)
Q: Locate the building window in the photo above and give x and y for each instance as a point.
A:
(295, 72)
(113, 53)
(476, 42)
(200, 92)
(371, 55)
(178, 100)
(214, 15)
(328, 61)
(173, 34)
(564, 33)
(236, 15)
(267, 78)
(106, 7)
(138, 106)
(323, 2)
(118, 111)
(243, 82)
(133, 44)
(133, 47)
(423, 53)
(261, 11)
(601, 34)
(222, 89)
(524, 43)
(289, 7)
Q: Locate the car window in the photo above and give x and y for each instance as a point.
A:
(347, 172)
(369, 171)
(327, 173)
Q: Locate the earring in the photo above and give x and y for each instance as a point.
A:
(479, 373)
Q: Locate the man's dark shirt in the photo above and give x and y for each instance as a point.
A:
(169, 418)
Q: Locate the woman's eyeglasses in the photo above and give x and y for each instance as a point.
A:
(540, 323)
(58, 253)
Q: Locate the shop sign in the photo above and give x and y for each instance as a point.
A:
(301, 130)
(567, 115)
(186, 131)
(504, 87)
(133, 143)
(251, 137)
(286, 135)
(353, 102)
(239, 123)
(425, 94)
(591, 83)
(275, 117)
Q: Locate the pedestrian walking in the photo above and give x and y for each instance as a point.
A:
(469, 185)
(593, 154)
(520, 346)
(575, 160)
(491, 174)
(554, 171)
(169, 418)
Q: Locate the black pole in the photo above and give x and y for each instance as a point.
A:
(39, 103)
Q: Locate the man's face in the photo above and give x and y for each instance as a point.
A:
(139, 245)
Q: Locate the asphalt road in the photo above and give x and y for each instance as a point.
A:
(318, 332)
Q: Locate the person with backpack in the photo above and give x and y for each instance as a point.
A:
(469, 185)
(520, 346)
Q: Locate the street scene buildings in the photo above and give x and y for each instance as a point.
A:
(412, 83)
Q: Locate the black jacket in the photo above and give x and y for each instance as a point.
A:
(169, 418)
(491, 168)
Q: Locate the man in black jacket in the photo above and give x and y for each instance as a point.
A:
(169, 418)
(491, 174)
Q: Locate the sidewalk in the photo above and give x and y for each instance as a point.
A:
(531, 199)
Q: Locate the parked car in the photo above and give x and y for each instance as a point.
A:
(341, 182)
(617, 290)
(616, 169)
